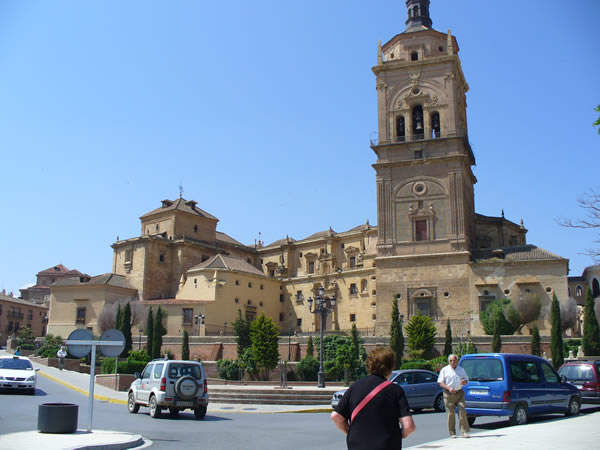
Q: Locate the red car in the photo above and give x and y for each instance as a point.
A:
(586, 376)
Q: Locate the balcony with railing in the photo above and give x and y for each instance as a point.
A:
(15, 315)
(375, 140)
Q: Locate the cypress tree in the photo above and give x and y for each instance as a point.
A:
(185, 346)
(310, 348)
(119, 317)
(556, 344)
(496, 340)
(158, 332)
(536, 343)
(149, 332)
(241, 327)
(591, 331)
(126, 330)
(448, 343)
(396, 336)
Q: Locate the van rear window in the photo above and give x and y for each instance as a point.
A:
(483, 369)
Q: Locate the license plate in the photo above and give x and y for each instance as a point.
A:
(184, 403)
(478, 392)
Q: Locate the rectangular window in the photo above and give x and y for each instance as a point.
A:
(249, 284)
(418, 154)
(299, 323)
(30, 314)
(10, 326)
(237, 282)
(272, 273)
(421, 230)
(161, 257)
(352, 263)
(524, 372)
(353, 289)
(484, 301)
(188, 316)
(423, 306)
(262, 287)
(127, 256)
(311, 267)
(281, 298)
(299, 295)
(0, 309)
(80, 317)
(352, 318)
(281, 317)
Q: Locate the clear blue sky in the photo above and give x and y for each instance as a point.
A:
(262, 110)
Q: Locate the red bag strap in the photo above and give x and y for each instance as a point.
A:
(368, 398)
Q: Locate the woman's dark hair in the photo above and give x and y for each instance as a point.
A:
(381, 361)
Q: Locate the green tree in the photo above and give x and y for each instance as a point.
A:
(310, 348)
(149, 332)
(26, 339)
(536, 342)
(126, 329)
(495, 311)
(523, 310)
(241, 326)
(264, 335)
(157, 333)
(496, 340)
(49, 346)
(118, 317)
(597, 122)
(185, 345)
(420, 335)
(396, 336)
(556, 341)
(591, 331)
(308, 368)
(448, 342)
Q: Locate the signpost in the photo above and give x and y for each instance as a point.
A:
(80, 342)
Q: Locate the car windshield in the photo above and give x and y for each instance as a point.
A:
(177, 370)
(483, 369)
(578, 372)
(16, 364)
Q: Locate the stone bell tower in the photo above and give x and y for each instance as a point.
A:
(425, 203)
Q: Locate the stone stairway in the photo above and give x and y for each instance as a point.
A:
(271, 396)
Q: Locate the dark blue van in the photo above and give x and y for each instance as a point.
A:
(518, 386)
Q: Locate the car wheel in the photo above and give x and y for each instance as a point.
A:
(173, 411)
(519, 417)
(438, 405)
(200, 412)
(155, 410)
(32, 391)
(573, 408)
(132, 406)
(471, 420)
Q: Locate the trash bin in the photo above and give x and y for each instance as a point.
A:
(57, 417)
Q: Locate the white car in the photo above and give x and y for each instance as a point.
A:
(17, 372)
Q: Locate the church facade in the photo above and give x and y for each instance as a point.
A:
(430, 249)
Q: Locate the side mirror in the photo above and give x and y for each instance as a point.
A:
(36, 369)
(563, 379)
(138, 375)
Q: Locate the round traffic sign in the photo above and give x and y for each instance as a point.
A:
(80, 334)
(114, 335)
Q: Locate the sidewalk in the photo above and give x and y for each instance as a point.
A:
(582, 431)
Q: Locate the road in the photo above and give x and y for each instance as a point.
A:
(219, 431)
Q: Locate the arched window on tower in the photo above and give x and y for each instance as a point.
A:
(416, 11)
(436, 127)
(400, 129)
(414, 56)
(595, 288)
(417, 126)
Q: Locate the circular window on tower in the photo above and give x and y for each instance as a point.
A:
(419, 188)
(416, 91)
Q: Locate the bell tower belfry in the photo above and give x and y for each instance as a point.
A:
(425, 183)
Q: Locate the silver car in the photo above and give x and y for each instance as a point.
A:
(172, 384)
(420, 387)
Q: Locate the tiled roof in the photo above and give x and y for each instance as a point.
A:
(20, 301)
(228, 263)
(226, 238)
(319, 234)
(59, 268)
(107, 279)
(517, 253)
(180, 204)
(284, 241)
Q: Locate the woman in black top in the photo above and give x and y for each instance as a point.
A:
(377, 425)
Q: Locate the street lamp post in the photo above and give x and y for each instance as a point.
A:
(291, 330)
(140, 339)
(321, 309)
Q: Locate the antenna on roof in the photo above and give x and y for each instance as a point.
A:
(180, 191)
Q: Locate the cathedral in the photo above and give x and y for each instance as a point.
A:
(430, 249)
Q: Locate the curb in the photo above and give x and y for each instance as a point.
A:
(82, 391)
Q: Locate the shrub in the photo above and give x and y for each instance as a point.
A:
(439, 362)
(465, 348)
(49, 346)
(127, 366)
(571, 345)
(495, 311)
(228, 369)
(417, 364)
(308, 369)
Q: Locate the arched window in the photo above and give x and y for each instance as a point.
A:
(414, 56)
(363, 285)
(436, 127)
(595, 288)
(416, 11)
(579, 291)
(417, 125)
(400, 129)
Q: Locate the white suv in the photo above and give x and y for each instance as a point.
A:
(172, 384)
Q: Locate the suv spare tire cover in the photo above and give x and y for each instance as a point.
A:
(186, 387)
